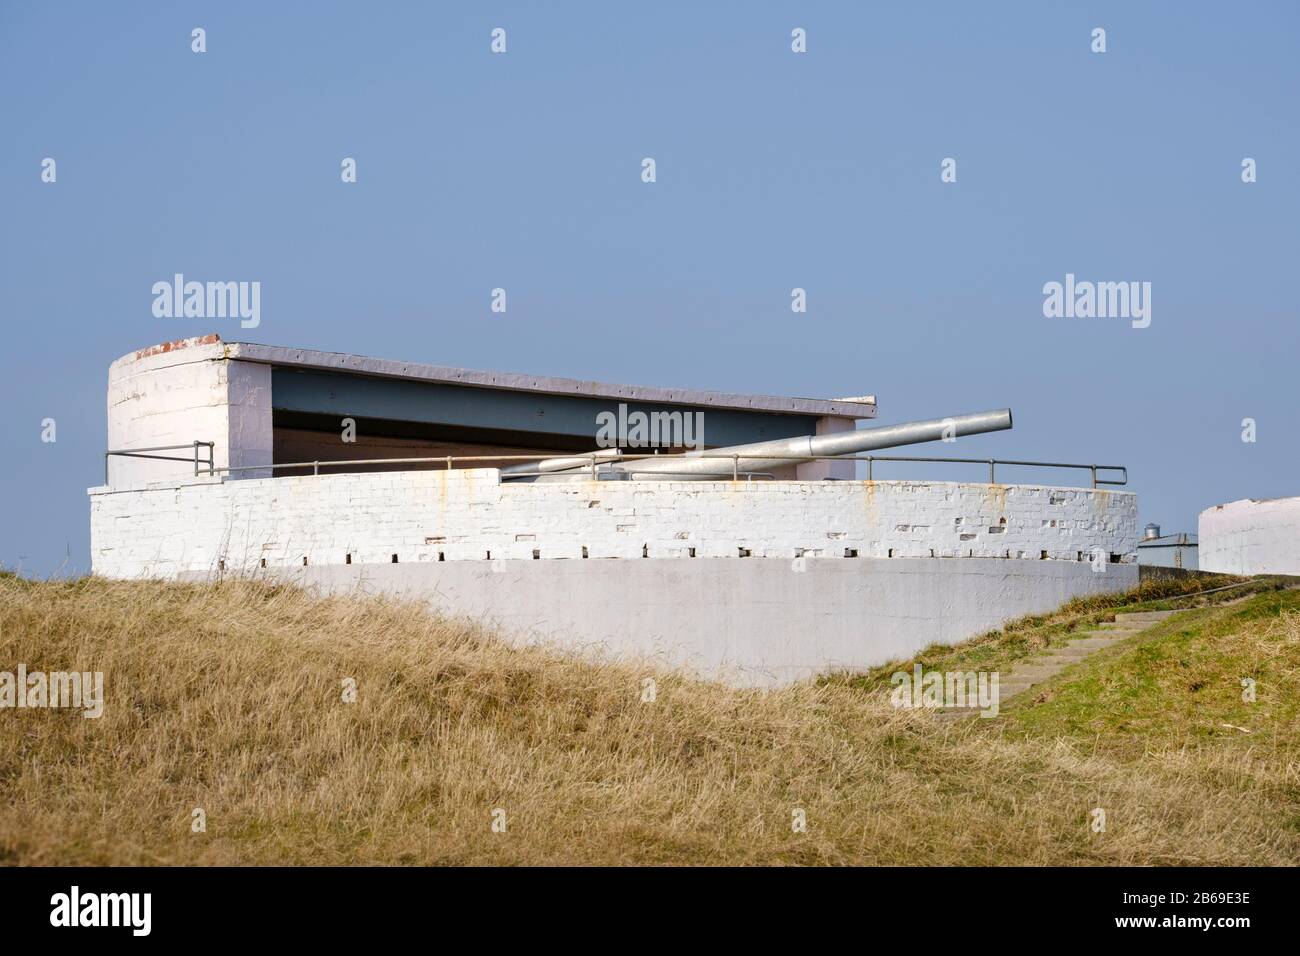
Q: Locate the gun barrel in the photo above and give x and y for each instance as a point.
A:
(805, 448)
(547, 465)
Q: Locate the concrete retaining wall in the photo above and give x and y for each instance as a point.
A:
(1251, 536)
(756, 622)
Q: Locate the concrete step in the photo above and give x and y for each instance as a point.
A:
(1104, 639)
(1146, 617)
(1028, 678)
(1068, 655)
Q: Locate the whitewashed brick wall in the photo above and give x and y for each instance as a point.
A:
(164, 529)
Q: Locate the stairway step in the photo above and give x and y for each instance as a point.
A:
(1069, 655)
(1027, 680)
(1097, 640)
(1142, 616)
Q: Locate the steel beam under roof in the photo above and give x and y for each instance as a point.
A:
(344, 394)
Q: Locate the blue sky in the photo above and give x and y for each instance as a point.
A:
(775, 170)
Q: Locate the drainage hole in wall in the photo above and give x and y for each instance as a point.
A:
(850, 552)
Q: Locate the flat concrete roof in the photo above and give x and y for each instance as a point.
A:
(863, 407)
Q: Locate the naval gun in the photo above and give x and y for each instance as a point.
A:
(758, 456)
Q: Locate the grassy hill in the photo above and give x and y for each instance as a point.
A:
(229, 698)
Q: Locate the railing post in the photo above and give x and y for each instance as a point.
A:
(735, 467)
(870, 462)
(1094, 477)
(315, 468)
(593, 467)
(196, 459)
(449, 462)
(992, 476)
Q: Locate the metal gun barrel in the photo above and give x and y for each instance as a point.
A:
(784, 451)
(805, 448)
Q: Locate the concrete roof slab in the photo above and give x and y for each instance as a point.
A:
(363, 365)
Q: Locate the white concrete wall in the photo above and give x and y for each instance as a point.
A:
(465, 515)
(1251, 536)
(183, 392)
(931, 561)
(249, 433)
(757, 622)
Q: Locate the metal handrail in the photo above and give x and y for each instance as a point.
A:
(735, 459)
(141, 453)
(994, 462)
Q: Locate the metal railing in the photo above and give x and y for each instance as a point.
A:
(143, 453)
(994, 462)
(597, 462)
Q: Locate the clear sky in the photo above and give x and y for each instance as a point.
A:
(775, 170)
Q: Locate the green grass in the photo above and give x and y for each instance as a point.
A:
(1001, 649)
(1180, 680)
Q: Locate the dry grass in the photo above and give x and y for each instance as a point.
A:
(228, 697)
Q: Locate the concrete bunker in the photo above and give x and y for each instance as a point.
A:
(758, 581)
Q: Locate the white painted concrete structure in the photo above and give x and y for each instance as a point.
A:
(177, 393)
(758, 582)
(208, 390)
(1251, 536)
